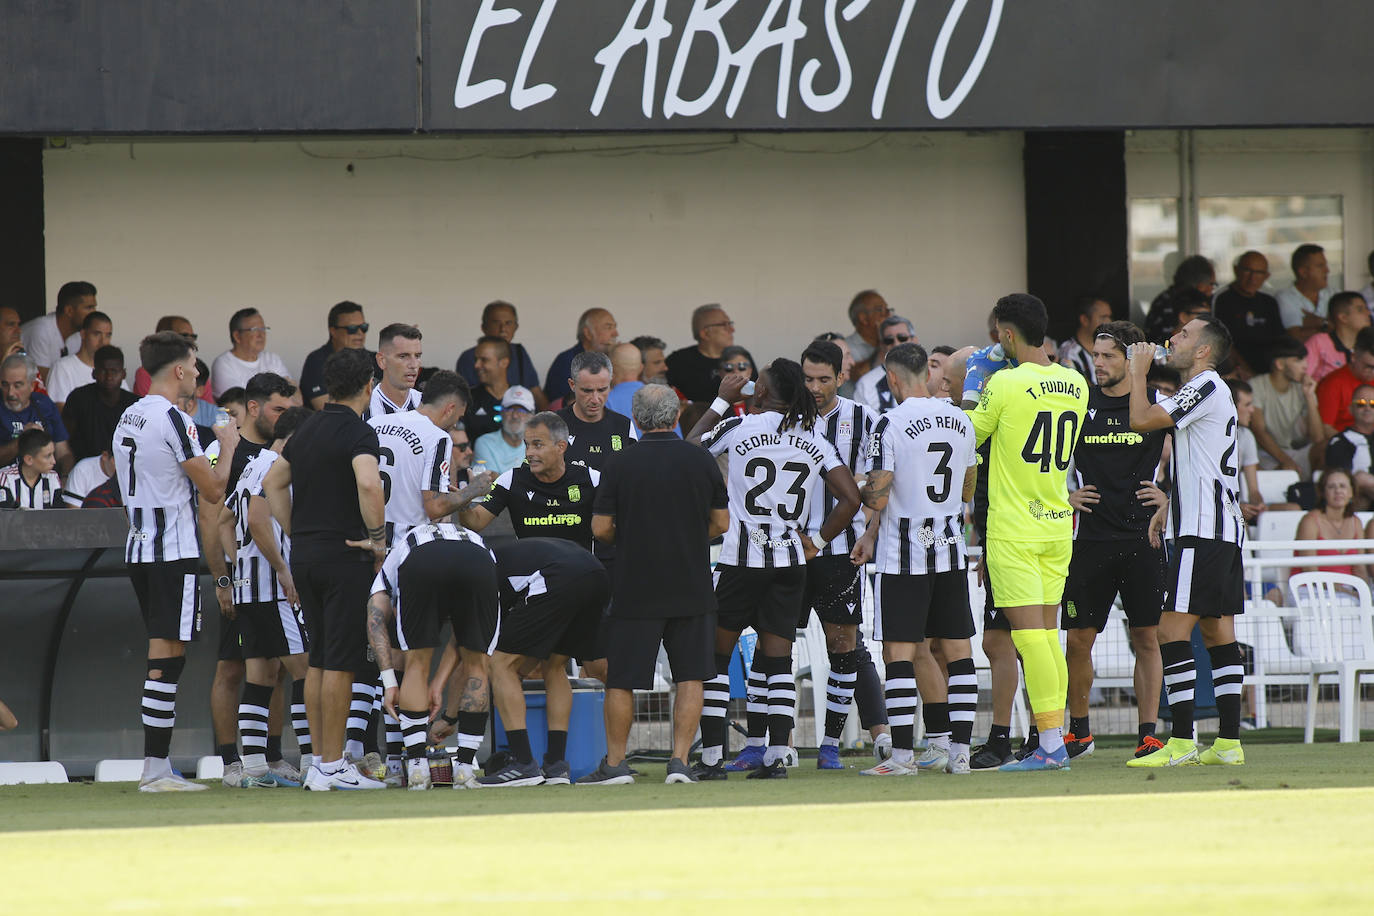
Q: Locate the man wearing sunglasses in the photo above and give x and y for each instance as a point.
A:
(1353, 449)
(347, 330)
(871, 389)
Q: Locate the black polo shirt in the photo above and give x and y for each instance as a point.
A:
(661, 494)
(561, 509)
(1254, 324)
(324, 503)
(694, 374)
(483, 415)
(312, 373)
(90, 422)
(593, 444)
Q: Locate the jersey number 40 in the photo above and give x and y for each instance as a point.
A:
(1041, 447)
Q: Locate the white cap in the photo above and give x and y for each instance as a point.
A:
(518, 396)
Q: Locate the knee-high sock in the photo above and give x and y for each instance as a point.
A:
(160, 705)
(839, 693)
(413, 726)
(299, 722)
(1180, 675)
(359, 710)
(782, 704)
(715, 703)
(936, 717)
(756, 703)
(395, 735)
(1042, 677)
(1228, 675)
(472, 728)
(868, 690)
(901, 708)
(253, 725)
(374, 719)
(963, 700)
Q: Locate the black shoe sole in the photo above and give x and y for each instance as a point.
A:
(713, 774)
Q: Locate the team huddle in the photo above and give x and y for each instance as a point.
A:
(350, 550)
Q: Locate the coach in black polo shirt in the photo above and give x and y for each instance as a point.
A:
(326, 492)
(661, 503)
(595, 432)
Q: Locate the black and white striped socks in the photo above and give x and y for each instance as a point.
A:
(160, 706)
(300, 723)
(900, 694)
(359, 712)
(782, 703)
(253, 712)
(1228, 676)
(1180, 676)
(963, 702)
(839, 693)
(715, 703)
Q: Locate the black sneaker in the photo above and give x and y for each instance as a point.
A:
(512, 775)
(557, 773)
(497, 762)
(679, 772)
(1027, 748)
(990, 756)
(705, 773)
(775, 770)
(607, 775)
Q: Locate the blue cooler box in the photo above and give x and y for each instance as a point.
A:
(586, 726)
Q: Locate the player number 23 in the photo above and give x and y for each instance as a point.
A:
(801, 472)
(1041, 447)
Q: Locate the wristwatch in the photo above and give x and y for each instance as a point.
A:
(223, 582)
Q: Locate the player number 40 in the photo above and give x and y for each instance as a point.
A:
(1051, 441)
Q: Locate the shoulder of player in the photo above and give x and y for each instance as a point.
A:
(727, 425)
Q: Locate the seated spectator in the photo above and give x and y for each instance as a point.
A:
(1333, 520)
(871, 389)
(202, 411)
(50, 337)
(1334, 392)
(503, 449)
(484, 409)
(500, 319)
(1367, 292)
(347, 331)
(11, 332)
(692, 370)
(24, 408)
(627, 367)
(1077, 351)
(596, 330)
(1164, 379)
(71, 372)
(1247, 454)
(249, 354)
(235, 401)
(92, 411)
(652, 352)
(1303, 306)
(1287, 420)
(866, 311)
(31, 482)
(105, 496)
(1250, 314)
(736, 359)
(1194, 272)
(165, 323)
(460, 456)
(86, 475)
(1328, 350)
(1353, 448)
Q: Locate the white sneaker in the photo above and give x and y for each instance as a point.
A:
(464, 777)
(233, 775)
(892, 767)
(935, 759)
(882, 747)
(169, 782)
(315, 778)
(958, 764)
(349, 778)
(416, 775)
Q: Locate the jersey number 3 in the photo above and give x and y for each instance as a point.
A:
(1041, 447)
(770, 477)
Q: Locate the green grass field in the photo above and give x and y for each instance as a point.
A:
(1298, 836)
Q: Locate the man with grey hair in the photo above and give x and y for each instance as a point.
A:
(23, 408)
(594, 431)
(866, 312)
(872, 389)
(692, 370)
(653, 351)
(596, 330)
(660, 504)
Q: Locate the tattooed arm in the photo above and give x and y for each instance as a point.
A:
(876, 489)
(379, 611)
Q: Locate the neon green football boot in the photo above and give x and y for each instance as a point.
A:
(1223, 752)
(1178, 752)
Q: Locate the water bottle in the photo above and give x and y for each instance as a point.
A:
(748, 388)
(1161, 353)
(222, 418)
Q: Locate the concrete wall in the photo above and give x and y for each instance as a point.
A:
(781, 229)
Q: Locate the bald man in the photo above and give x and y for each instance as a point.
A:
(596, 330)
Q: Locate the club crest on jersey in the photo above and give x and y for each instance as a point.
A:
(846, 427)
(615, 443)
(193, 433)
(575, 493)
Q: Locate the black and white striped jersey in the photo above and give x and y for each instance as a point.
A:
(150, 443)
(847, 427)
(413, 457)
(772, 479)
(1203, 499)
(388, 578)
(15, 490)
(927, 444)
(254, 579)
(381, 405)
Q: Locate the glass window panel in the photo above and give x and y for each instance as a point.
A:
(1273, 226)
(1154, 246)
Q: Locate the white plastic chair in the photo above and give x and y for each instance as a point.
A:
(1341, 641)
(811, 661)
(1273, 485)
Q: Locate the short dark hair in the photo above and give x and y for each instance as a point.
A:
(262, 386)
(1124, 333)
(824, 353)
(1161, 373)
(235, 395)
(93, 317)
(1364, 340)
(32, 441)
(943, 350)
(1300, 255)
(342, 308)
(238, 318)
(70, 292)
(1084, 306)
(347, 372)
(500, 343)
(647, 342)
(161, 349)
(286, 424)
(498, 304)
(1237, 386)
(1286, 347)
(910, 358)
(107, 353)
(446, 384)
(1026, 313)
(858, 302)
(1189, 298)
(1345, 301)
(398, 329)
(202, 372)
(556, 425)
(1193, 271)
(1217, 336)
(166, 321)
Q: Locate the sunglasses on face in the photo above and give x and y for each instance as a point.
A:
(353, 328)
(191, 337)
(463, 446)
(736, 367)
(1362, 402)
(900, 338)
